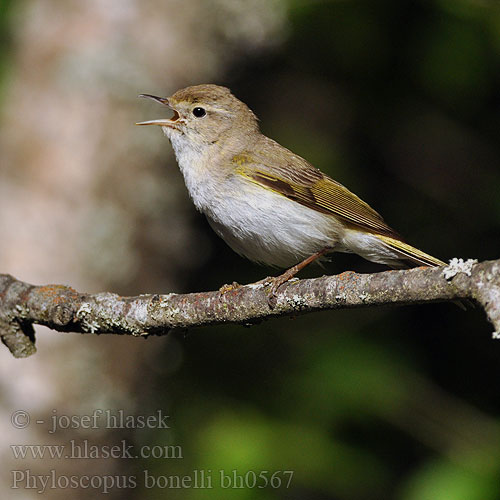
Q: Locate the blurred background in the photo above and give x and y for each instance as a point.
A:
(398, 100)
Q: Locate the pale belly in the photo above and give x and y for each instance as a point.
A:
(266, 227)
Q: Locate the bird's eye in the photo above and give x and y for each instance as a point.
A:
(199, 112)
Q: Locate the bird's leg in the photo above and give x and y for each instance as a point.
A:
(290, 273)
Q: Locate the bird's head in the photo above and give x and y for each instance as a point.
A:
(205, 115)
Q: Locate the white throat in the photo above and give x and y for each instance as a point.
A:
(194, 163)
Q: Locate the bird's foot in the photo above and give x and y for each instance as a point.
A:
(276, 282)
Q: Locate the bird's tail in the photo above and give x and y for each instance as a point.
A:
(409, 253)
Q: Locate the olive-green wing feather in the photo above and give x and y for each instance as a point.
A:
(275, 167)
(327, 196)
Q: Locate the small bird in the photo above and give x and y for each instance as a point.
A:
(267, 203)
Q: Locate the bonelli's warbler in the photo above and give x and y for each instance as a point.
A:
(267, 203)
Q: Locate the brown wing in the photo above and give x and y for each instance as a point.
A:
(276, 168)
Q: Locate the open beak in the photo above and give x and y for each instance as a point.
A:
(163, 122)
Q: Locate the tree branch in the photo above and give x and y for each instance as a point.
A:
(63, 309)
